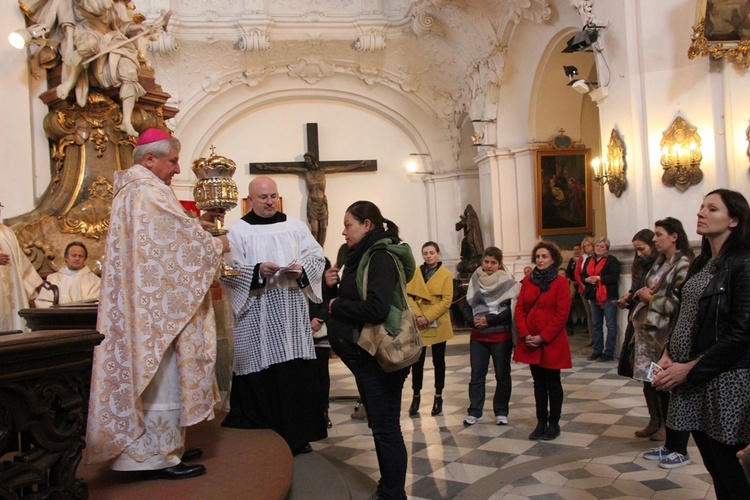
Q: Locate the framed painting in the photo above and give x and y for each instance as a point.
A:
(722, 29)
(563, 192)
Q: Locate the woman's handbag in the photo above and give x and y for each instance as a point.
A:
(392, 353)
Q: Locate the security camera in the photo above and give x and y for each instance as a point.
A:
(580, 86)
(570, 71)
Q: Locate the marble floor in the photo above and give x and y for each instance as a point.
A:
(596, 456)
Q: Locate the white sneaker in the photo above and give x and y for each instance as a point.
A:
(501, 420)
(471, 420)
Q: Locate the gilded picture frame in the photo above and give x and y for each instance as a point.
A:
(722, 31)
(563, 192)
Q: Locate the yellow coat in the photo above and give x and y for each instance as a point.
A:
(433, 301)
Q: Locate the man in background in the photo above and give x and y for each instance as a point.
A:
(75, 281)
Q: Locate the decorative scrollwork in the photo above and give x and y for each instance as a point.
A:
(737, 52)
(90, 218)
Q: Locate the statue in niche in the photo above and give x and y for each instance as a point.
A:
(472, 245)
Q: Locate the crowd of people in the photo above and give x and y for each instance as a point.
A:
(687, 338)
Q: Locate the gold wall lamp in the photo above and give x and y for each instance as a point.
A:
(611, 170)
(681, 155)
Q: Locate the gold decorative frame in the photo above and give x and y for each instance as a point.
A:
(681, 155)
(614, 168)
(563, 193)
(719, 32)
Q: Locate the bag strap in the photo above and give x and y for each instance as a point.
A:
(367, 269)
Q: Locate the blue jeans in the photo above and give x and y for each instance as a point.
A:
(381, 394)
(479, 355)
(599, 315)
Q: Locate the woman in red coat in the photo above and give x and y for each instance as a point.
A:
(541, 313)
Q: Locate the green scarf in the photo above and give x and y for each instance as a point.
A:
(406, 267)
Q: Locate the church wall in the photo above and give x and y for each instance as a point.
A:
(269, 126)
(653, 81)
(16, 145)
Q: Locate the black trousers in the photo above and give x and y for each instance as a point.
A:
(547, 389)
(438, 361)
(721, 461)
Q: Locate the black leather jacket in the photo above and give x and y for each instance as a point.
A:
(721, 333)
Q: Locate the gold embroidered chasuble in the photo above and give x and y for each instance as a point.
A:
(158, 267)
(18, 281)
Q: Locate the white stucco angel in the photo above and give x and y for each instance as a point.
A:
(104, 49)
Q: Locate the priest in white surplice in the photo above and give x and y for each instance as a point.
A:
(18, 281)
(275, 380)
(153, 374)
(75, 281)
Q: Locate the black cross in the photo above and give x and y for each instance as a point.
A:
(313, 148)
(315, 178)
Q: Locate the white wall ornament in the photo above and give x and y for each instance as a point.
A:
(167, 43)
(424, 24)
(211, 83)
(531, 10)
(585, 9)
(312, 69)
(254, 41)
(370, 41)
(252, 77)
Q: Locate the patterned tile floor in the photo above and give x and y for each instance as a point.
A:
(596, 456)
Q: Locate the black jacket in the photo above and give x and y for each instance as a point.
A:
(721, 333)
(349, 312)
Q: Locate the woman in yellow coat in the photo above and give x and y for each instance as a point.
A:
(430, 295)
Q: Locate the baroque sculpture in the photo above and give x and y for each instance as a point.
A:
(95, 50)
(472, 245)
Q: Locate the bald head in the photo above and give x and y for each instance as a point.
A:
(263, 196)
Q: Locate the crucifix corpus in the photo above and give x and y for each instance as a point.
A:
(315, 179)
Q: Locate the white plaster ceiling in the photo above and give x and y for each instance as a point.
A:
(446, 55)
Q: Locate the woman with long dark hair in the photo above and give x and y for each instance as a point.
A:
(654, 313)
(706, 363)
(541, 313)
(374, 246)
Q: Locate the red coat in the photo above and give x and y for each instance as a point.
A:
(546, 317)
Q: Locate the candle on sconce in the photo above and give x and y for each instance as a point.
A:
(596, 165)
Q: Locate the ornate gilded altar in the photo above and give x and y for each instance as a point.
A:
(86, 148)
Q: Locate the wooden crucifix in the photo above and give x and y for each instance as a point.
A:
(315, 178)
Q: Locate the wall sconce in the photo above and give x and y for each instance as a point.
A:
(611, 170)
(412, 166)
(681, 155)
(482, 128)
(34, 34)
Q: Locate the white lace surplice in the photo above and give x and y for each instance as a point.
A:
(272, 324)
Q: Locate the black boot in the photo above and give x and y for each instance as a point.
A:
(414, 408)
(553, 430)
(437, 406)
(537, 433)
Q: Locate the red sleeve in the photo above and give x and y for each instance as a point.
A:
(521, 310)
